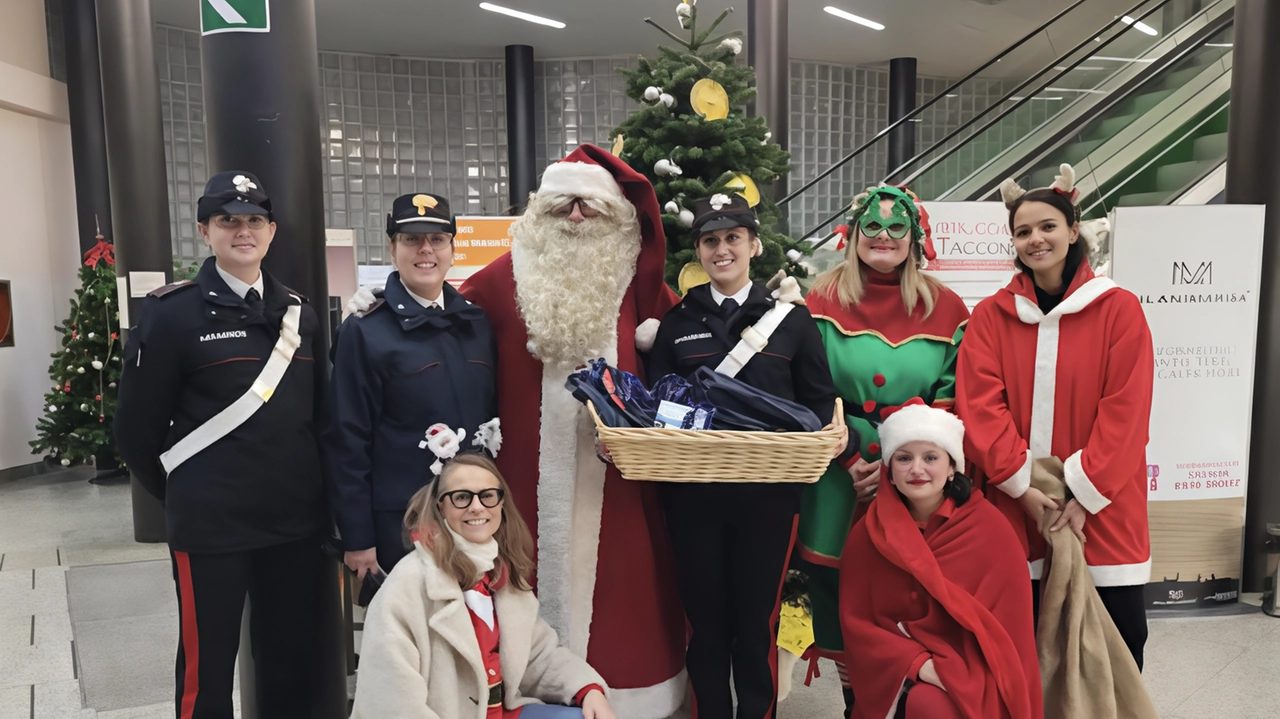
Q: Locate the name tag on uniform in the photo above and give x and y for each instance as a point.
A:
(699, 336)
(230, 334)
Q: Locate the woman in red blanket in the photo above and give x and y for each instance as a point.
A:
(937, 618)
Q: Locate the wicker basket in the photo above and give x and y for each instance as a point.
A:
(681, 455)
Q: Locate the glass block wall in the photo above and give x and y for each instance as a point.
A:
(393, 125)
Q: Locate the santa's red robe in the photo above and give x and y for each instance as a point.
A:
(1073, 384)
(606, 578)
(956, 592)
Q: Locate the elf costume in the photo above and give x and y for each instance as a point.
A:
(880, 357)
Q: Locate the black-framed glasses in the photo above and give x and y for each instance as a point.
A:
(461, 498)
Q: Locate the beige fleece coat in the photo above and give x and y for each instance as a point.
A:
(420, 659)
(1085, 667)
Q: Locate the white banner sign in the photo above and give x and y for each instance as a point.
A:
(974, 247)
(1196, 272)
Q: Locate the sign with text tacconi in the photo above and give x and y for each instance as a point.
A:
(234, 16)
(1195, 269)
(974, 247)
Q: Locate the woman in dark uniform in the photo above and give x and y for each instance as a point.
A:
(732, 541)
(419, 357)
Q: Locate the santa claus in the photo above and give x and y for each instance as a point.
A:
(584, 280)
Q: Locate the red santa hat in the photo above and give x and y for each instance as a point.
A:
(592, 172)
(917, 422)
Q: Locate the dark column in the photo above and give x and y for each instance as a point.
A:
(135, 161)
(768, 54)
(902, 100)
(1253, 177)
(88, 133)
(262, 114)
(522, 148)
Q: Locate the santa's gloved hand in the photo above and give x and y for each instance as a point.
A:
(646, 333)
(362, 300)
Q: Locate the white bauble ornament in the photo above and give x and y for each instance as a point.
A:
(686, 218)
(79, 370)
(97, 364)
(667, 100)
(684, 10)
(794, 255)
(671, 208)
(90, 335)
(652, 93)
(113, 384)
(70, 367)
(732, 44)
(84, 408)
(66, 462)
(53, 408)
(106, 301)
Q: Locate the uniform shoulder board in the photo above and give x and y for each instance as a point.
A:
(170, 288)
(377, 304)
(295, 293)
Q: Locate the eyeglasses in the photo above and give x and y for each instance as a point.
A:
(567, 209)
(461, 498)
(437, 240)
(232, 222)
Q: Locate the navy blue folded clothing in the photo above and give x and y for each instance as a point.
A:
(731, 404)
(619, 397)
(739, 406)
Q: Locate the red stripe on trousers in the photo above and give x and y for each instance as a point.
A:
(190, 636)
(777, 611)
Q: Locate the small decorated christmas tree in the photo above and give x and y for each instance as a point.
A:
(76, 427)
(693, 139)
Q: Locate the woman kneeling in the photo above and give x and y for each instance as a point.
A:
(454, 631)
(935, 608)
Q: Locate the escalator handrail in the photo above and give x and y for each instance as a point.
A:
(1193, 44)
(908, 117)
(1154, 67)
(1104, 196)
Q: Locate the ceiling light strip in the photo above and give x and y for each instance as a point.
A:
(853, 18)
(528, 17)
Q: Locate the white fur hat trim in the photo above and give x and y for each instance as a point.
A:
(580, 179)
(918, 423)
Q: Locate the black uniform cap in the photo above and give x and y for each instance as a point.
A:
(420, 212)
(721, 212)
(234, 192)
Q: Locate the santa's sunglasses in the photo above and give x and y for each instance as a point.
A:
(584, 209)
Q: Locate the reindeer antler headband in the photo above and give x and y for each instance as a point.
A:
(1093, 232)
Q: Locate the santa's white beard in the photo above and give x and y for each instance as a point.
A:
(571, 278)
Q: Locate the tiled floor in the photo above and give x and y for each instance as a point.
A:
(88, 624)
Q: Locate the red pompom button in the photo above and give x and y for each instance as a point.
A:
(878, 380)
(869, 406)
(874, 448)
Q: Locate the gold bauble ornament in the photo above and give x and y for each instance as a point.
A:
(745, 186)
(618, 142)
(709, 99)
(692, 275)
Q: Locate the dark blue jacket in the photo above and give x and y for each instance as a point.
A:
(196, 349)
(398, 370)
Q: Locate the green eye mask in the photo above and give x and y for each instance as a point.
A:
(897, 224)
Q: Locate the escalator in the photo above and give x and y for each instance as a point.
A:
(1141, 115)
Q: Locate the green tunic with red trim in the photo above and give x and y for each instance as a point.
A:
(880, 357)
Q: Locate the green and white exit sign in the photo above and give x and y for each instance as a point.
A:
(234, 16)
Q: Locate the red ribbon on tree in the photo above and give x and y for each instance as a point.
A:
(102, 251)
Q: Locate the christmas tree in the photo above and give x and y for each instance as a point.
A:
(694, 139)
(76, 427)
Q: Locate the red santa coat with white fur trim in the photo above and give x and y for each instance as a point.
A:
(1074, 384)
(606, 578)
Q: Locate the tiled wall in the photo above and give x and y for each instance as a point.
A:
(836, 109)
